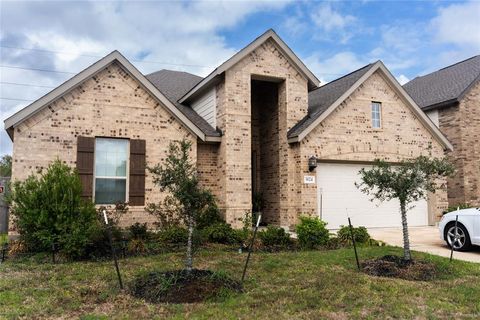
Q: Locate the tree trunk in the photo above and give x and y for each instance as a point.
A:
(189, 262)
(406, 241)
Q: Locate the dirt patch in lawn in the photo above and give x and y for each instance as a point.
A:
(180, 286)
(397, 267)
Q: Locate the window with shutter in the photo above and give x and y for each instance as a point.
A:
(137, 172)
(85, 161)
(111, 175)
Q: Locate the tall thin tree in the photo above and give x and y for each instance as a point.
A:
(409, 181)
(178, 175)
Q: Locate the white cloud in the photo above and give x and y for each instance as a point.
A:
(402, 37)
(328, 19)
(333, 25)
(328, 69)
(295, 25)
(458, 24)
(402, 79)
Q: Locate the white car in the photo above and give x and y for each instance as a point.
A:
(468, 229)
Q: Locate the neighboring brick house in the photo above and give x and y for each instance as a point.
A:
(451, 98)
(259, 124)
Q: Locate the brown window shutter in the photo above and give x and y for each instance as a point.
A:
(137, 173)
(85, 163)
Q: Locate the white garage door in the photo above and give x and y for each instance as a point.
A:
(338, 198)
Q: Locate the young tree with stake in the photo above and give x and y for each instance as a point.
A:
(408, 182)
(178, 176)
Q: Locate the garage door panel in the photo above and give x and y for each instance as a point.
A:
(338, 198)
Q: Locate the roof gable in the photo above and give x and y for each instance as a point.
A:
(343, 88)
(445, 86)
(174, 84)
(270, 34)
(320, 99)
(91, 71)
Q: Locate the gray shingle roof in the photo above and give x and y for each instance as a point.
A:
(444, 86)
(320, 99)
(173, 85)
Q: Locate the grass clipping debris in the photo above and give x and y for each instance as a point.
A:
(180, 286)
(397, 267)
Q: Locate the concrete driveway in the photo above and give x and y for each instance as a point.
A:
(424, 239)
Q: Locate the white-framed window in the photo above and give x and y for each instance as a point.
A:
(376, 114)
(111, 170)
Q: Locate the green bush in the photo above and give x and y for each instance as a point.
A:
(173, 235)
(333, 243)
(99, 246)
(139, 231)
(221, 232)
(209, 217)
(311, 232)
(458, 206)
(274, 237)
(359, 233)
(48, 209)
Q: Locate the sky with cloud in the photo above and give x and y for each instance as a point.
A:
(42, 44)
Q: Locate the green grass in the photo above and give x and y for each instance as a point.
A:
(286, 285)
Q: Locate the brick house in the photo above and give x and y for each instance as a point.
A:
(259, 124)
(451, 98)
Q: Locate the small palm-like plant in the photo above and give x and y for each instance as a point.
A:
(409, 181)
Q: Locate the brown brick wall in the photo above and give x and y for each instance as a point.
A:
(346, 134)
(234, 119)
(461, 125)
(112, 104)
(207, 167)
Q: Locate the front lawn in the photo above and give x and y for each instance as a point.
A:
(286, 285)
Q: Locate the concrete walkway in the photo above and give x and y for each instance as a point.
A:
(424, 239)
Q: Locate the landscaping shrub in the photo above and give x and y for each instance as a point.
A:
(209, 217)
(333, 243)
(173, 235)
(274, 237)
(221, 232)
(360, 235)
(458, 206)
(48, 209)
(139, 231)
(99, 246)
(311, 232)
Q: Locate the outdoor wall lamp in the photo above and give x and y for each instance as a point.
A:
(312, 163)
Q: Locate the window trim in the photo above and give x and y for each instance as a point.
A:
(380, 115)
(127, 171)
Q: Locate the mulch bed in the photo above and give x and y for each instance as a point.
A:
(180, 286)
(397, 267)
